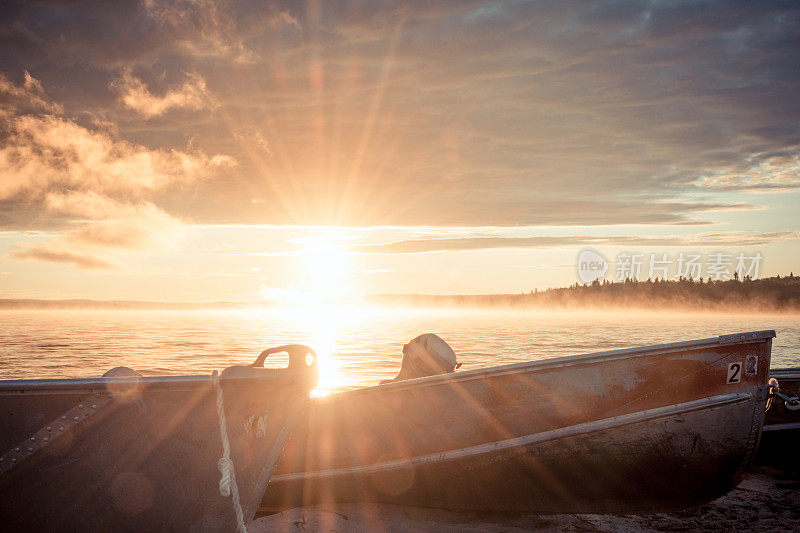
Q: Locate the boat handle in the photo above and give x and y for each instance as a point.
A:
(297, 355)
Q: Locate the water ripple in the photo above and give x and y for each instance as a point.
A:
(361, 347)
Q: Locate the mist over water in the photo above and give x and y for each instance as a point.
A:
(358, 346)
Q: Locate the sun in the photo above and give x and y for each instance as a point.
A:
(326, 272)
(321, 273)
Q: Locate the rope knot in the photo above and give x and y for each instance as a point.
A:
(225, 465)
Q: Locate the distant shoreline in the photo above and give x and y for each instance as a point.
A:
(774, 294)
(133, 305)
(779, 294)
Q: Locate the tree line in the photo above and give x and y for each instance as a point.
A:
(778, 293)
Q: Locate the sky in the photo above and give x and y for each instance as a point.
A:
(297, 151)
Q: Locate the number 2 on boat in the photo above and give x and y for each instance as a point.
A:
(734, 372)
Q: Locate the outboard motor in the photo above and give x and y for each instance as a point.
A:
(426, 355)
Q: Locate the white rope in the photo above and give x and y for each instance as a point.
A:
(227, 480)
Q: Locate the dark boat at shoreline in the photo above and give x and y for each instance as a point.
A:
(782, 421)
(644, 429)
(139, 453)
(784, 415)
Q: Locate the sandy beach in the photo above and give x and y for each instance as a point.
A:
(766, 500)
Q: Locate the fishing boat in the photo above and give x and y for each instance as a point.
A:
(644, 429)
(131, 453)
(782, 421)
(784, 413)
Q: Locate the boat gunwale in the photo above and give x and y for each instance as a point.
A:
(583, 428)
(168, 383)
(752, 337)
(788, 426)
(785, 373)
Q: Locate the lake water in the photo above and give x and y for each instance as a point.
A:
(358, 345)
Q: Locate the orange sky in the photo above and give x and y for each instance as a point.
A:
(201, 151)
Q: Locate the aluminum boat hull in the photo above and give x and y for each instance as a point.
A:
(139, 454)
(646, 429)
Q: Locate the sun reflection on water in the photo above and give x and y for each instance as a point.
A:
(313, 302)
(322, 326)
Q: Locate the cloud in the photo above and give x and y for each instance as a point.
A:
(202, 28)
(768, 173)
(253, 140)
(32, 84)
(39, 153)
(133, 93)
(704, 240)
(87, 186)
(24, 98)
(100, 221)
(414, 112)
(41, 253)
(94, 224)
(44, 152)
